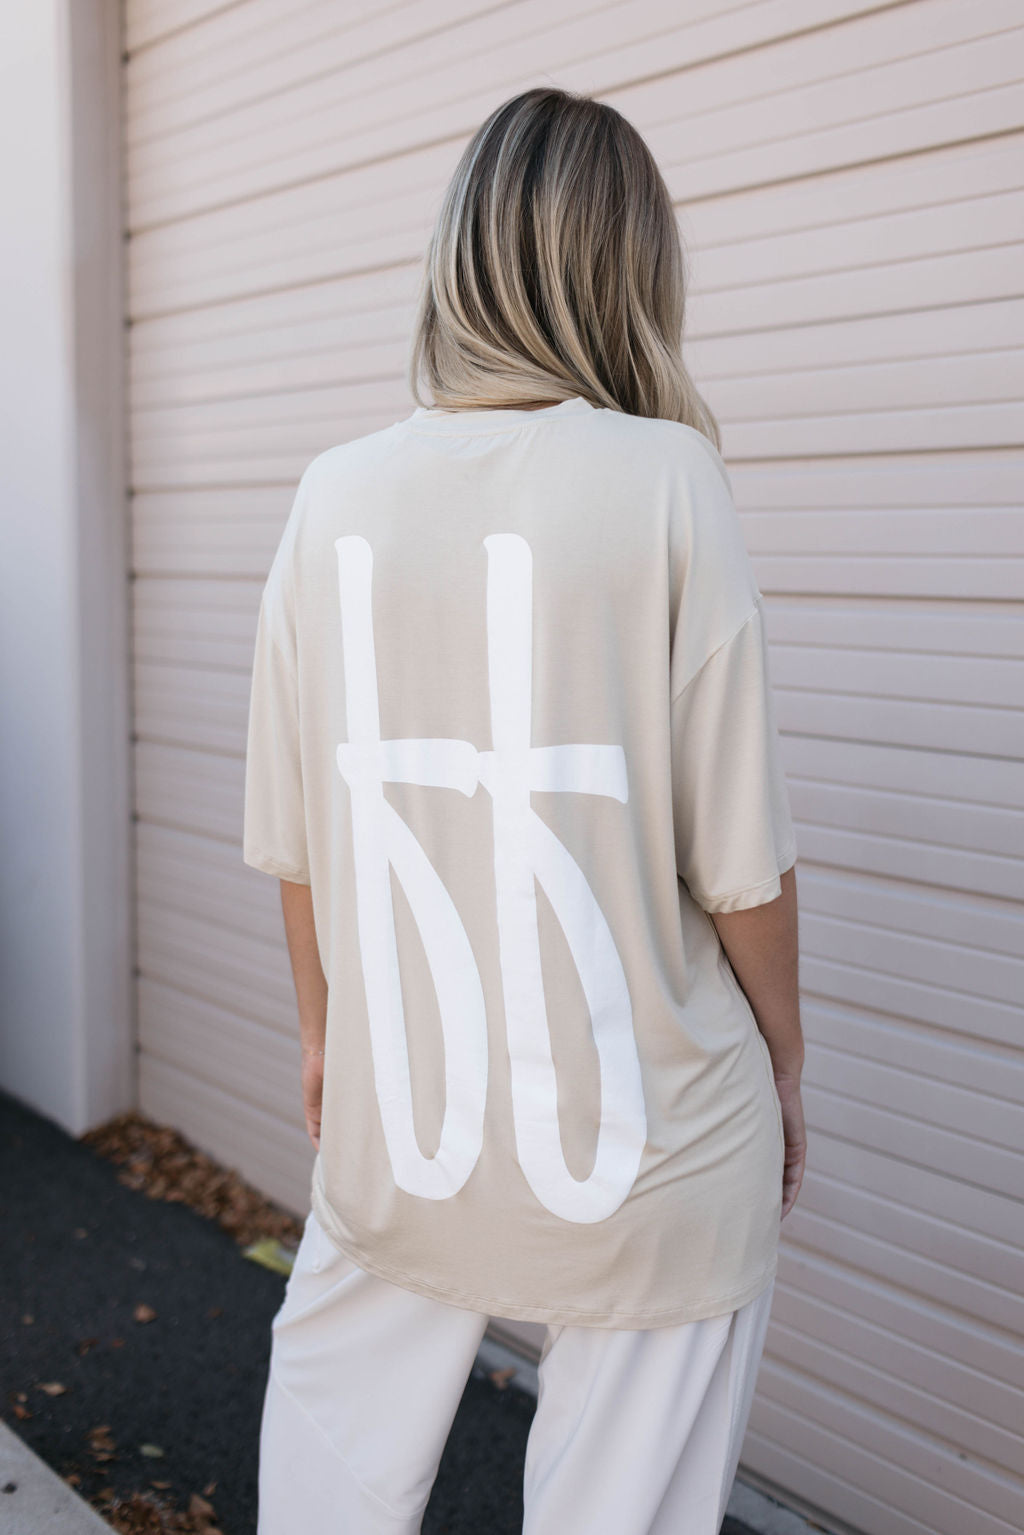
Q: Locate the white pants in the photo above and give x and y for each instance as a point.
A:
(635, 1432)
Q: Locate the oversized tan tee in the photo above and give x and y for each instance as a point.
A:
(511, 719)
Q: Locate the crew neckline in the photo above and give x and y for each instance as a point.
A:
(460, 423)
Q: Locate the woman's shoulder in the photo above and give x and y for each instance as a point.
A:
(659, 445)
(350, 458)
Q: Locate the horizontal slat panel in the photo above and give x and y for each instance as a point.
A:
(990, 927)
(786, 1452)
(339, 331)
(184, 871)
(967, 379)
(873, 238)
(266, 448)
(915, 1187)
(961, 779)
(990, 580)
(149, 21)
(924, 1485)
(914, 1382)
(933, 534)
(260, 1066)
(224, 534)
(188, 706)
(268, 47)
(985, 425)
(980, 1136)
(191, 940)
(993, 1072)
(897, 1131)
(964, 481)
(930, 725)
(275, 1156)
(855, 669)
(206, 623)
(199, 792)
(961, 1014)
(859, 92)
(840, 1235)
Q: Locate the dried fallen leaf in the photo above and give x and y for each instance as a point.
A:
(160, 1161)
(501, 1378)
(22, 1412)
(271, 1253)
(83, 1345)
(27, 1319)
(143, 1312)
(200, 1507)
(52, 1387)
(101, 1443)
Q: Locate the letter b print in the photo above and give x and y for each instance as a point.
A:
(524, 850)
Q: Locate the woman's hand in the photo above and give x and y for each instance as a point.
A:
(312, 1094)
(310, 994)
(795, 1134)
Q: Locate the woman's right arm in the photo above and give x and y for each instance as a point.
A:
(761, 945)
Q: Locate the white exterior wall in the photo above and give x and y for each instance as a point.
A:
(66, 1028)
(848, 177)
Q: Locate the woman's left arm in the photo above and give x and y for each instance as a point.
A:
(310, 994)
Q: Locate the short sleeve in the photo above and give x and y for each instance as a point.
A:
(733, 828)
(274, 822)
(274, 835)
(713, 587)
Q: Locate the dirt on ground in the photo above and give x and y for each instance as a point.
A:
(162, 1164)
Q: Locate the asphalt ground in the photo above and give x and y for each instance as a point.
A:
(171, 1393)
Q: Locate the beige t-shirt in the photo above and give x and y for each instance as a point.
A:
(511, 719)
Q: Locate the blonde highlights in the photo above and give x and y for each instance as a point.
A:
(555, 269)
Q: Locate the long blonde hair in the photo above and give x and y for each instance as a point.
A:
(555, 268)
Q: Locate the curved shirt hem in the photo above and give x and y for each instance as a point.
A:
(559, 1316)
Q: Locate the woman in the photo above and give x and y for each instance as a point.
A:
(512, 756)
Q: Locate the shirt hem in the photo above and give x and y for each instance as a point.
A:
(268, 864)
(751, 895)
(564, 1316)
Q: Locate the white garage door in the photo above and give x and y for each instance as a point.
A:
(849, 179)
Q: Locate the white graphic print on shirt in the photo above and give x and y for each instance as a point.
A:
(524, 849)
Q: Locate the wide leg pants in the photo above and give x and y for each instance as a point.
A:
(635, 1432)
